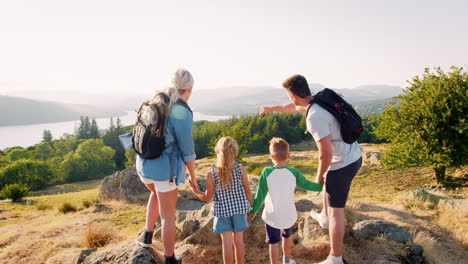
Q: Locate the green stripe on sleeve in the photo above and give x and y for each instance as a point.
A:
(303, 183)
(262, 191)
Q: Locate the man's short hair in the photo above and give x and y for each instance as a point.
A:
(280, 148)
(297, 84)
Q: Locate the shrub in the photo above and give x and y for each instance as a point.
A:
(98, 236)
(15, 192)
(87, 204)
(43, 207)
(67, 208)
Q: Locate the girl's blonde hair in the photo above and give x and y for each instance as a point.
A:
(226, 150)
(182, 81)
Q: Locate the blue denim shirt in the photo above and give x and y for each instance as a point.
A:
(179, 130)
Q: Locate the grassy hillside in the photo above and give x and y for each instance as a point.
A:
(34, 230)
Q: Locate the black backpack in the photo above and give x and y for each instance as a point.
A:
(350, 122)
(150, 127)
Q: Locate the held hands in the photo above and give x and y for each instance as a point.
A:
(194, 185)
(251, 217)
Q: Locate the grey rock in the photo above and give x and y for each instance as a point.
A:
(124, 253)
(372, 228)
(84, 254)
(124, 185)
(304, 205)
(414, 250)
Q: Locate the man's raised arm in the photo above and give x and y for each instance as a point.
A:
(290, 108)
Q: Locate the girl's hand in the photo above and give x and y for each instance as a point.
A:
(251, 217)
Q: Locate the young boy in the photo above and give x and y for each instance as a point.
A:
(276, 189)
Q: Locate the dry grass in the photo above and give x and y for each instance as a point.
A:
(457, 222)
(99, 235)
(312, 251)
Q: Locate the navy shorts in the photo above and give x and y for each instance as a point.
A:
(339, 182)
(273, 235)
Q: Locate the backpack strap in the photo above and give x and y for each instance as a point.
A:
(184, 104)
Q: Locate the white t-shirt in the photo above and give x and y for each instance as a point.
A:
(320, 123)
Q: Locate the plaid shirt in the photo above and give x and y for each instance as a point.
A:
(229, 200)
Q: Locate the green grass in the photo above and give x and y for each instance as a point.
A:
(67, 188)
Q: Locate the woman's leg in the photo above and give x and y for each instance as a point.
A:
(167, 209)
(227, 247)
(152, 209)
(239, 247)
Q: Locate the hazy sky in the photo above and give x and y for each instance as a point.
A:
(104, 45)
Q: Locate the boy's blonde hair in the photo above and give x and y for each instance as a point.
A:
(226, 150)
(280, 148)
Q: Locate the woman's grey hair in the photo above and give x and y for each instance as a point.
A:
(182, 81)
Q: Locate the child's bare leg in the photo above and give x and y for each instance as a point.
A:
(227, 247)
(239, 247)
(274, 253)
(286, 249)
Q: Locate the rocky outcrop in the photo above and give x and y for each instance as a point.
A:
(440, 198)
(372, 157)
(125, 186)
(372, 228)
(124, 253)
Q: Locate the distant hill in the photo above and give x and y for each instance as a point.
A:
(245, 100)
(374, 107)
(21, 111)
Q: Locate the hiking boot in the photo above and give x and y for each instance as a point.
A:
(320, 218)
(172, 260)
(145, 239)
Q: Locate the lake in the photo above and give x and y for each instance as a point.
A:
(28, 135)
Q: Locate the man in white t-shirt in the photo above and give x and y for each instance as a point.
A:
(339, 162)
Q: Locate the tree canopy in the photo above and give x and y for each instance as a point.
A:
(427, 125)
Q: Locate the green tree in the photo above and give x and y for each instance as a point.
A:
(32, 173)
(43, 151)
(428, 124)
(47, 136)
(130, 155)
(111, 139)
(93, 129)
(15, 192)
(92, 159)
(18, 154)
(83, 131)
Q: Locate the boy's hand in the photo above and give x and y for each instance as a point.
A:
(251, 217)
(319, 179)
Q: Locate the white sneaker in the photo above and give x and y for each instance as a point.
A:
(330, 260)
(291, 261)
(320, 218)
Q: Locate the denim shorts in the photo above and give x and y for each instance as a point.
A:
(236, 223)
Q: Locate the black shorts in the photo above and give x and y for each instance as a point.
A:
(339, 182)
(273, 235)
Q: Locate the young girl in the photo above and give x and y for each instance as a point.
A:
(228, 186)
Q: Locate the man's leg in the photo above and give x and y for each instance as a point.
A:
(337, 230)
